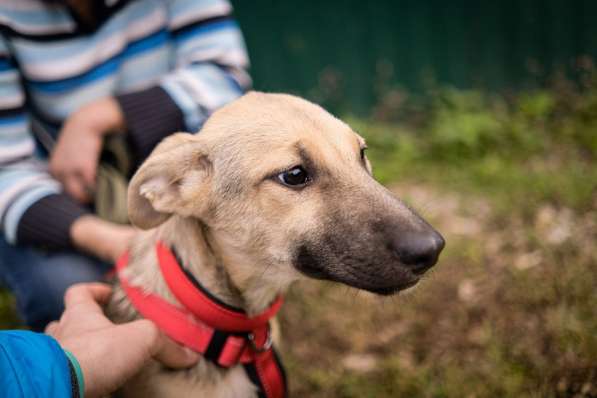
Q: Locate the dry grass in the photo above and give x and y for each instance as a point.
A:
(509, 311)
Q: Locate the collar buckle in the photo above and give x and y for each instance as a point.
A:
(266, 346)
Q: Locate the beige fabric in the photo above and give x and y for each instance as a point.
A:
(111, 188)
(111, 185)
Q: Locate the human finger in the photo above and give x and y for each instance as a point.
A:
(174, 355)
(89, 294)
(87, 174)
(133, 341)
(52, 328)
(159, 346)
(75, 186)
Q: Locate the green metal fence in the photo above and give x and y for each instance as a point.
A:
(348, 53)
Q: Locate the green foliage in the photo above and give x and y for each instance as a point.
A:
(472, 124)
(537, 146)
(8, 319)
(463, 124)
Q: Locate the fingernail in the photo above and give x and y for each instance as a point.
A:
(191, 355)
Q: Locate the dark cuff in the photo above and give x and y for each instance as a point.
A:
(150, 116)
(76, 375)
(47, 222)
(74, 382)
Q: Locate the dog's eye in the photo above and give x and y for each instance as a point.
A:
(363, 149)
(296, 176)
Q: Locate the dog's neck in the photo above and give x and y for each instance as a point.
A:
(227, 275)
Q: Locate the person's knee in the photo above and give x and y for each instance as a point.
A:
(40, 293)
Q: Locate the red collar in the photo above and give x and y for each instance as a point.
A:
(223, 334)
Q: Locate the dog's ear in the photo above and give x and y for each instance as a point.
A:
(173, 179)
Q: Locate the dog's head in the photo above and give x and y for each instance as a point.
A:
(285, 187)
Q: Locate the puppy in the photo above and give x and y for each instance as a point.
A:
(272, 190)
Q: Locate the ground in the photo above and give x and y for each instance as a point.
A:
(510, 309)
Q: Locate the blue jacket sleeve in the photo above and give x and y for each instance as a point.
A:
(32, 365)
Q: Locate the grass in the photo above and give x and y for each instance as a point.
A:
(510, 309)
(8, 318)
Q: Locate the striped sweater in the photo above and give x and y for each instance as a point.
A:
(169, 64)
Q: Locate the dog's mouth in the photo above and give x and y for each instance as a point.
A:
(381, 287)
(387, 291)
(385, 281)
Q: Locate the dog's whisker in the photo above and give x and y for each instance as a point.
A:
(355, 294)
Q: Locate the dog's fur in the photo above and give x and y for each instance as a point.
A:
(246, 236)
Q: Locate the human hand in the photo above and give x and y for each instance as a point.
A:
(110, 354)
(75, 157)
(101, 238)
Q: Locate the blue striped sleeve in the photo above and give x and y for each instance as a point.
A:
(15, 141)
(24, 180)
(210, 70)
(211, 59)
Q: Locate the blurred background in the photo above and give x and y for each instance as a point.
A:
(349, 55)
(482, 116)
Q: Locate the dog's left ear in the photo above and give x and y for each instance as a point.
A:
(173, 179)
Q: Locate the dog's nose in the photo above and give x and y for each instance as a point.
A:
(418, 250)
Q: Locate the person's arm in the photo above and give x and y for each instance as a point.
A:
(79, 359)
(210, 63)
(32, 365)
(210, 70)
(33, 208)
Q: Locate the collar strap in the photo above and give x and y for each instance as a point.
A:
(209, 328)
(199, 302)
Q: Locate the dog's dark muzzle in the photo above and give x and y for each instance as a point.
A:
(383, 261)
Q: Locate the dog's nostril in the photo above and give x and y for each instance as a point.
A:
(418, 259)
(418, 250)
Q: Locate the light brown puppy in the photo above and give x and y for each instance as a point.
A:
(273, 189)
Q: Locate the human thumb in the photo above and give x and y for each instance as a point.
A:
(167, 351)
